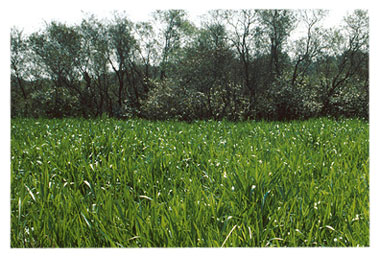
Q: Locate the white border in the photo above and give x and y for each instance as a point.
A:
(12, 11)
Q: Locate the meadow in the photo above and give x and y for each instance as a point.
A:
(139, 183)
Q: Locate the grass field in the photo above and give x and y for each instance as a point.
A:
(137, 183)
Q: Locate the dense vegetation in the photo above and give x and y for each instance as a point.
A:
(236, 65)
(139, 183)
(282, 159)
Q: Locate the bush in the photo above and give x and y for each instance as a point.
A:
(169, 100)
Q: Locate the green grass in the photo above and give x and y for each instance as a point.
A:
(137, 183)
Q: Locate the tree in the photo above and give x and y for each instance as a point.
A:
(122, 44)
(19, 68)
(239, 64)
(57, 50)
(94, 64)
(344, 61)
(292, 89)
(174, 28)
(206, 67)
(146, 50)
(242, 26)
(308, 47)
(276, 25)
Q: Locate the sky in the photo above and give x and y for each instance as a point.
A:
(31, 19)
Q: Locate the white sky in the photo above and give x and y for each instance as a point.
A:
(31, 18)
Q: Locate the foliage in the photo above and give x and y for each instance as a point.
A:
(237, 65)
(168, 100)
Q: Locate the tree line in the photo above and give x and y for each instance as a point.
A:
(235, 65)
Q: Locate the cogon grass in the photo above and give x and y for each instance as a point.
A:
(138, 183)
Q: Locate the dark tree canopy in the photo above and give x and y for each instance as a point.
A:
(236, 65)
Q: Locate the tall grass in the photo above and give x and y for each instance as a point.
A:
(137, 183)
